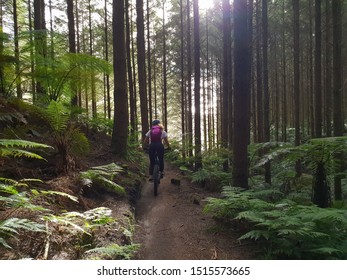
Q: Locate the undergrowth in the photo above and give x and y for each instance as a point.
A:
(286, 229)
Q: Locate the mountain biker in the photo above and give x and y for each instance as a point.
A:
(155, 137)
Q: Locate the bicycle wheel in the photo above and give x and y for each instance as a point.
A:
(156, 178)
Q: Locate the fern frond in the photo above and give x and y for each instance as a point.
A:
(102, 176)
(109, 168)
(11, 226)
(71, 197)
(115, 251)
(4, 243)
(58, 116)
(9, 189)
(8, 148)
(255, 235)
(67, 220)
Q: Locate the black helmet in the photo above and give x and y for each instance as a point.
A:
(155, 122)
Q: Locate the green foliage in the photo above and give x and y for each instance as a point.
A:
(14, 148)
(314, 151)
(66, 137)
(115, 251)
(102, 176)
(76, 222)
(212, 171)
(60, 76)
(100, 124)
(286, 229)
(12, 226)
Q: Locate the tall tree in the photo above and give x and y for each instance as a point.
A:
(40, 36)
(120, 125)
(338, 126)
(91, 52)
(189, 83)
(16, 49)
(328, 77)
(197, 116)
(108, 90)
(72, 42)
(241, 95)
(226, 76)
(296, 10)
(318, 70)
(141, 57)
(183, 91)
(132, 95)
(266, 85)
(164, 71)
(149, 64)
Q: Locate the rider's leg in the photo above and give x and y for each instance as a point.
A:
(160, 152)
(151, 158)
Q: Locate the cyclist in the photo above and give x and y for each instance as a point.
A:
(155, 137)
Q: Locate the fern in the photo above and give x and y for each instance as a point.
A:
(11, 227)
(58, 116)
(102, 176)
(285, 228)
(115, 251)
(14, 148)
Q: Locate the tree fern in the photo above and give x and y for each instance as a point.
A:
(57, 115)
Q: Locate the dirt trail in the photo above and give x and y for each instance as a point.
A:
(172, 226)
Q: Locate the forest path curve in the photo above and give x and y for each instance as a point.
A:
(172, 225)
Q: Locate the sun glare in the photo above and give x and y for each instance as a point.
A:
(205, 4)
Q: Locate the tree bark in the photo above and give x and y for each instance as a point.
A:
(296, 9)
(241, 95)
(318, 70)
(120, 126)
(141, 57)
(197, 118)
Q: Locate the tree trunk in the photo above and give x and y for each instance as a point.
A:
(266, 86)
(141, 57)
(241, 95)
(338, 126)
(226, 77)
(40, 37)
(318, 70)
(91, 51)
(108, 90)
(328, 76)
(130, 64)
(197, 119)
(183, 91)
(149, 65)
(164, 72)
(296, 9)
(189, 76)
(120, 126)
(72, 43)
(16, 50)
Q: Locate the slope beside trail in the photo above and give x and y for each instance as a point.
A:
(172, 225)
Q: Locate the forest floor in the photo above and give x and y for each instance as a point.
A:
(171, 225)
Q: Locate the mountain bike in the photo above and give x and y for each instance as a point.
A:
(156, 175)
